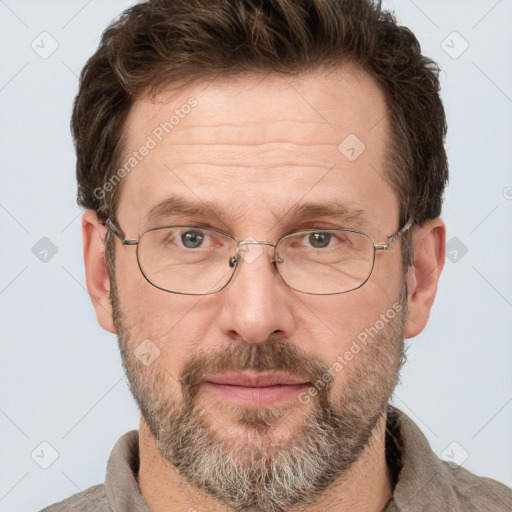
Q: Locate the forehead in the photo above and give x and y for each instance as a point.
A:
(259, 145)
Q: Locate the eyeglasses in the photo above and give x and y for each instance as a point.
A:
(192, 260)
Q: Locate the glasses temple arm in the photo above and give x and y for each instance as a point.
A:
(115, 230)
(392, 238)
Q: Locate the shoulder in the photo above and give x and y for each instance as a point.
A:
(479, 493)
(426, 482)
(93, 499)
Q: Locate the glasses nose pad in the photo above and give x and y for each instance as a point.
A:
(233, 260)
(278, 260)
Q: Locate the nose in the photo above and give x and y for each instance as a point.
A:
(257, 302)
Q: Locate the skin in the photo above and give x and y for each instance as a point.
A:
(258, 147)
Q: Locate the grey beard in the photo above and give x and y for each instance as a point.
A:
(260, 473)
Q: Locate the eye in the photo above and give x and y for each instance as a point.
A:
(319, 240)
(186, 238)
(192, 239)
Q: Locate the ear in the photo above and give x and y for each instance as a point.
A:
(422, 278)
(96, 276)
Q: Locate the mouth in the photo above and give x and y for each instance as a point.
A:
(255, 390)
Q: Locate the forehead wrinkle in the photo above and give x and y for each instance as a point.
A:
(244, 167)
(256, 156)
(256, 127)
(264, 143)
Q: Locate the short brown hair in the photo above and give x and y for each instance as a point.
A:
(158, 43)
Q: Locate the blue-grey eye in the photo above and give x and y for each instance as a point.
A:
(192, 239)
(319, 240)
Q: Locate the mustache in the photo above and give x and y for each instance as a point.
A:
(270, 355)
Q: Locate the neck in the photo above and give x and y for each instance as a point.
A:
(367, 486)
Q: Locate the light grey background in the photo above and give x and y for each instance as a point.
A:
(61, 378)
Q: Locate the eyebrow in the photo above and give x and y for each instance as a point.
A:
(176, 205)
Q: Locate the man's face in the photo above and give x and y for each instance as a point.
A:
(256, 148)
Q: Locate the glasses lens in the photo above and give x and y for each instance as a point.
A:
(325, 262)
(186, 259)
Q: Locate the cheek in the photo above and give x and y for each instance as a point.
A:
(167, 320)
(145, 306)
(347, 314)
(336, 322)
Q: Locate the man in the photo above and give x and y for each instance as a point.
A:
(263, 183)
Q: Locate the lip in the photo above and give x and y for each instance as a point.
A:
(258, 390)
(255, 380)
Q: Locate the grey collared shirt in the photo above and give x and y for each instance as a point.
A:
(423, 481)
